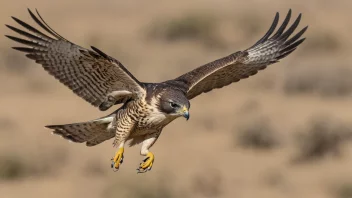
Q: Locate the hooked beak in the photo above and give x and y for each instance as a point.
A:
(185, 113)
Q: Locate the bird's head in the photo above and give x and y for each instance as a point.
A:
(174, 103)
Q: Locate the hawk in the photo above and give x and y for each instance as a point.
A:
(146, 108)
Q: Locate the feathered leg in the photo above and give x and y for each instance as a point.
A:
(124, 126)
(147, 163)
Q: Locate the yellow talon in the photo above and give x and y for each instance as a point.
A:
(147, 163)
(117, 160)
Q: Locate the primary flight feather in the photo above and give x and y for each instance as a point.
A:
(147, 108)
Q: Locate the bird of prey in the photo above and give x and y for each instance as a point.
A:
(146, 108)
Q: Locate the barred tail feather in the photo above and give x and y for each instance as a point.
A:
(92, 132)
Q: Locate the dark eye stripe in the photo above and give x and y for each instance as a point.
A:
(174, 105)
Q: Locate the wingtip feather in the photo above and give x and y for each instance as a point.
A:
(283, 26)
(270, 31)
(50, 126)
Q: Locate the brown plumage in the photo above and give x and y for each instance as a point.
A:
(242, 64)
(91, 75)
(93, 132)
(147, 108)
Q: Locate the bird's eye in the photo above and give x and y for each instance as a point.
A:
(173, 105)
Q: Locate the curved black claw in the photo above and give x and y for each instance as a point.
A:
(147, 164)
(115, 167)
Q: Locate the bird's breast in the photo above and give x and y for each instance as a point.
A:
(147, 117)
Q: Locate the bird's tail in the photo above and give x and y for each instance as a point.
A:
(92, 132)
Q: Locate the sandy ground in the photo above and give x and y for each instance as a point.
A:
(198, 158)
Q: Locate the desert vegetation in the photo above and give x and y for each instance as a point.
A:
(322, 136)
(240, 141)
(256, 133)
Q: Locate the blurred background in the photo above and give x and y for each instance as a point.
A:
(285, 132)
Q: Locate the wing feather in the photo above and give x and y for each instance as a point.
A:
(242, 64)
(90, 74)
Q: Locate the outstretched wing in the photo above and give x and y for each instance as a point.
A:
(242, 64)
(91, 74)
